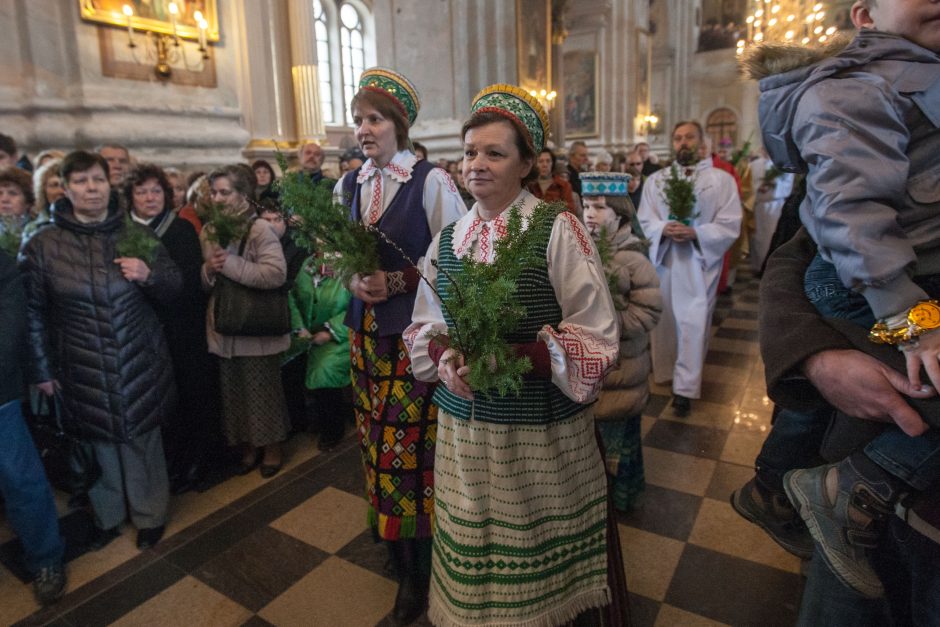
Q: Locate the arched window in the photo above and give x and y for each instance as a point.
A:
(321, 29)
(353, 52)
(342, 29)
(722, 124)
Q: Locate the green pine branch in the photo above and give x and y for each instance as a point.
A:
(745, 150)
(220, 225)
(322, 224)
(605, 250)
(137, 242)
(771, 175)
(11, 234)
(679, 194)
(484, 308)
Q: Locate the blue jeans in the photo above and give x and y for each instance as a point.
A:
(29, 503)
(905, 561)
(793, 442)
(831, 298)
(915, 461)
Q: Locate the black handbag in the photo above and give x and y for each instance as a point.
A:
(242, 310)
(70, 463)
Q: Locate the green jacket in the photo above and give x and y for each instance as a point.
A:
(319, 303)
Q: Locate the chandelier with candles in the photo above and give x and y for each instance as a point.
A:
(785, 21)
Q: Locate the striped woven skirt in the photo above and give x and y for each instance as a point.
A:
(397, 427)
(521, 518)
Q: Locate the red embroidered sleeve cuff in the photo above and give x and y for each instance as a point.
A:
(436, 348)
(537, 352)
(402, 281)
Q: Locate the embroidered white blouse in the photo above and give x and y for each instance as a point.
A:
(442, 201)
(585, 344)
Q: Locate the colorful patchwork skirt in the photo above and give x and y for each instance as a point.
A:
(397, 427)
(522, 525)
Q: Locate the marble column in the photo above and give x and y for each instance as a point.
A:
(267, 94)
(558, 84)
(303, 56)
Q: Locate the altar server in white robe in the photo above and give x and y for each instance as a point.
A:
(688, 257)
(772, 188)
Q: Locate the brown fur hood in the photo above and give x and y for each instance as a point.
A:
(769, 59)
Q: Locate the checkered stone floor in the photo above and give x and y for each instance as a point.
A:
(294, 550)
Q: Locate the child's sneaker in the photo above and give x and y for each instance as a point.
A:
(49, 584)
(845, 513)
(772, 512)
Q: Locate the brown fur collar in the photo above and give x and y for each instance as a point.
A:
(771, 58)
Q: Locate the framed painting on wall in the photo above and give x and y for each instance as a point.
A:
(155, 16)
(644, 63)
(580, 72)
(533, 44)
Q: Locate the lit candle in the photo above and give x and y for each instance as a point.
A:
(203, 27)
(174, 11)
(129, 14)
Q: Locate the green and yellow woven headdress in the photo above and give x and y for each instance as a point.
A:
(395, 86)
(519, 107)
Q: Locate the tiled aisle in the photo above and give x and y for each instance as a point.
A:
(294, 550)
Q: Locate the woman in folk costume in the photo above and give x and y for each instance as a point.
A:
(521, 516)
(611, 219)
(409, 201)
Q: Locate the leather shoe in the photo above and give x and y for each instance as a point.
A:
(244, 469)
(269, 470)
(328, 444)
(49, 584)
(410, 602)
(103, 537)
(147, 538)
(681, 406)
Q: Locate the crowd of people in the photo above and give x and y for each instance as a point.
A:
(117, 279)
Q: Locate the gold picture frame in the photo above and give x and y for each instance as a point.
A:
(581, 92)
(154, 16)
(534, 44)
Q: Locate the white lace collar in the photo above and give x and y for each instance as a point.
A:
(399, 169)
(473, 228)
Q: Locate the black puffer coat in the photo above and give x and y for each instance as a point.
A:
(95, 332)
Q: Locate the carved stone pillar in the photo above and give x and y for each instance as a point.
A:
(268, 92)
(303, 55)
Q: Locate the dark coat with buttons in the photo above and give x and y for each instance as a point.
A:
(95, 332)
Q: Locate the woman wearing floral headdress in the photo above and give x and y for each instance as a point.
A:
(522, 526)
(409, 201)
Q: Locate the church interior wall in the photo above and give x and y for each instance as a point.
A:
(56, 95)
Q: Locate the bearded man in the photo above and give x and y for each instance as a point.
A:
(688, 255)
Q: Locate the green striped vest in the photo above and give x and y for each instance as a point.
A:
(540, 401)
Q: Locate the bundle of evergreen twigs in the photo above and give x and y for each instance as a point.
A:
(483, 307)
(679, 193)
(771, 175)
(743, 153)
(137, 242)
(11, 234)
(221, 226)
(605, 250)
(322, 224)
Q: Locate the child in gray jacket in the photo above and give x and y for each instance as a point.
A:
(864, 124)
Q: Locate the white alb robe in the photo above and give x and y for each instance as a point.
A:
(768, 204)
(688, 271)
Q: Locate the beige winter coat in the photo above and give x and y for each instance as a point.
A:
(261, 266)
(639, 305)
